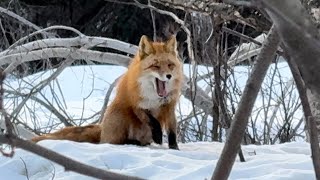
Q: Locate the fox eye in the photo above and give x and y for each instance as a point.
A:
(171, 65)
(156, 66)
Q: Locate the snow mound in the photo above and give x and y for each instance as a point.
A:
(193, 161)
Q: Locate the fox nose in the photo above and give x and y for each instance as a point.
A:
(169, 76)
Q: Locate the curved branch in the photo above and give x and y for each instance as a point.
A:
(102, 57)
(82, 41)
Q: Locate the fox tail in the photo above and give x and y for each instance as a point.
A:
(89, 133)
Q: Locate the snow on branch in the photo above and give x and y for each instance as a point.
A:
(75, 48)
(102, 57)
(82, 41)
(198, 6)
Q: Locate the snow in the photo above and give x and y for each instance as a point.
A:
(193, 161)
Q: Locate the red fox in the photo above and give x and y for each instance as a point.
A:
(145, 100)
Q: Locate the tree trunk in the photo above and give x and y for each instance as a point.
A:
(314, 101)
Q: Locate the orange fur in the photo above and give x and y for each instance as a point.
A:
(90, 133)
(145, 86)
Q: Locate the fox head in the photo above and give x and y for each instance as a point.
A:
(160, 67)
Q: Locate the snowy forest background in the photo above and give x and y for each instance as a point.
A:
(62, 60)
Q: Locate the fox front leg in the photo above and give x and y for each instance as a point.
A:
(172, 128)
(172, 134)
(168, 116)
(147, 118)
(155, 128)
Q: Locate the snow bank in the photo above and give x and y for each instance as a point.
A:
(194, 161)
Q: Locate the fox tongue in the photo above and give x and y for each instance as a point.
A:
(161, 88)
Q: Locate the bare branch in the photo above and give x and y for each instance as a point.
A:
(239, 3)
(4, 34)
(206, 7)
(236, 33)
(68, 163)
(103, 57)
(19, 18)
(82, 41)
(107, 97)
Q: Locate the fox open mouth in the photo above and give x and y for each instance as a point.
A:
(161, 88)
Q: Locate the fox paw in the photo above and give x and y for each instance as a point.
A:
(174, 146)
(172, 138)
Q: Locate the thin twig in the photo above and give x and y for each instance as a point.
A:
(247, 38)
(4, 34)
(107, 98)
(25, 167)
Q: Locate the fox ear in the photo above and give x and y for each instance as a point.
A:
(145, 47)
(171, 45)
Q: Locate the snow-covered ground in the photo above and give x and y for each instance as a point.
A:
(194, 161)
